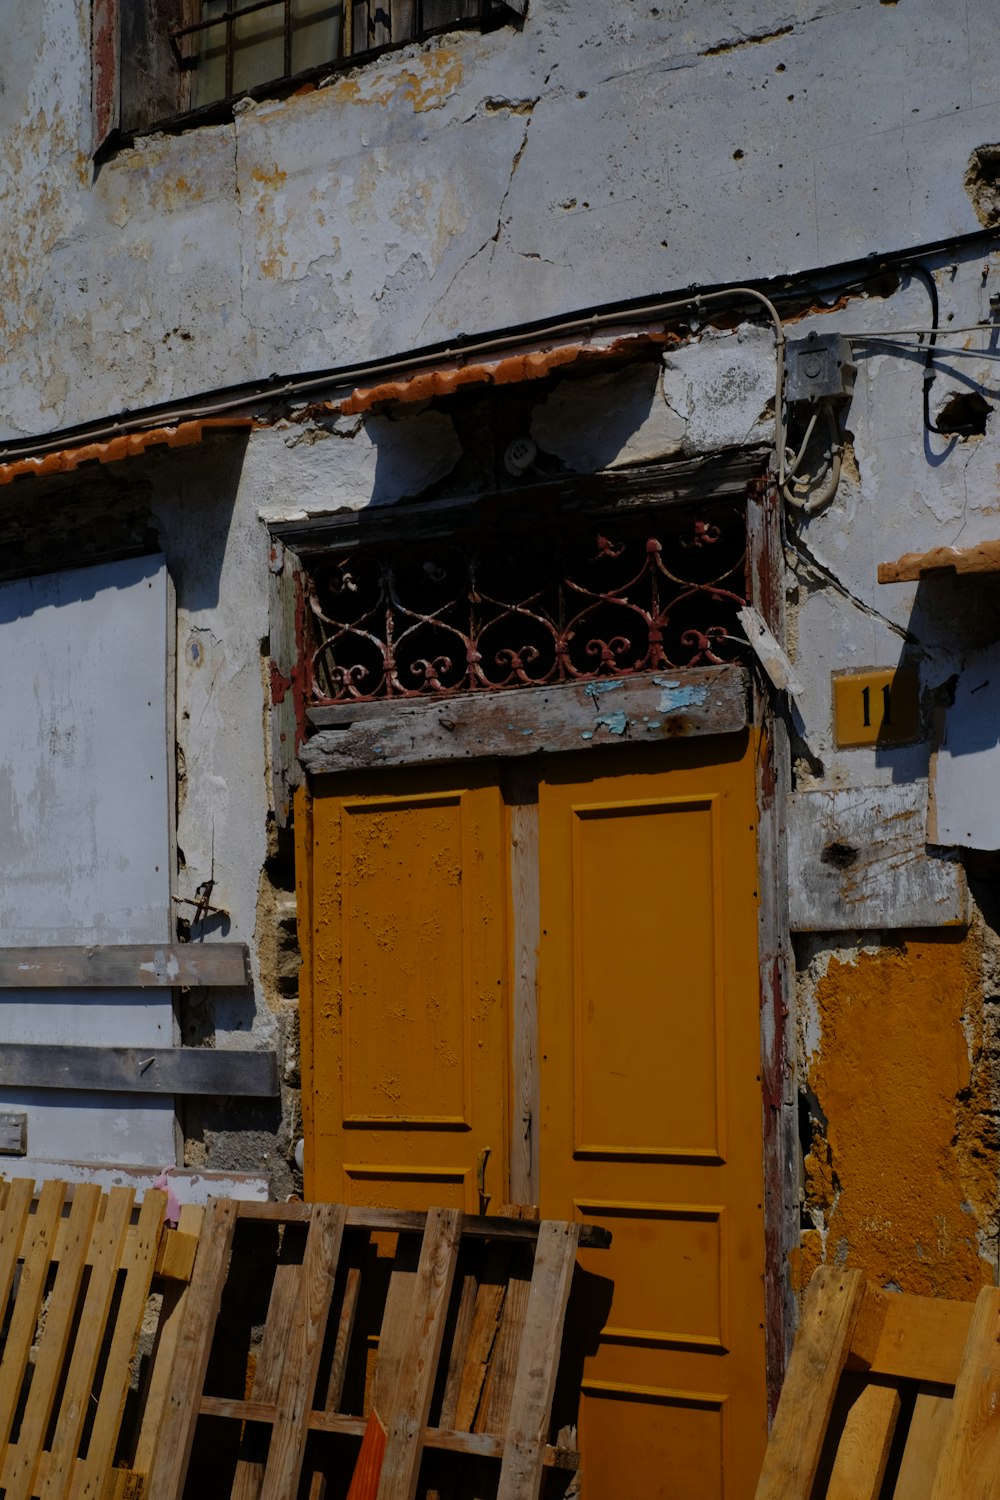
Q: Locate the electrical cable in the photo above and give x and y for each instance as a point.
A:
(814, 500)
(348, 376)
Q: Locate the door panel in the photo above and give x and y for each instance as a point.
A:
(648, 1047)
(408, 973)
(649, 1042)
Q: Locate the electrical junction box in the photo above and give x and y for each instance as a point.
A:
(819, 368)
(877, 708)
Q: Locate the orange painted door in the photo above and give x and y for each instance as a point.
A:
(403, 882)
(651, 1109)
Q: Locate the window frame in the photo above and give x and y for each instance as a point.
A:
(141, 82)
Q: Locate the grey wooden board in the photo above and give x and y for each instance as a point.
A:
(966, 768)
(84, 830)
(13, 1132)
(857, 859)
(141, 1070)
(125, 965)
(571, 716)
(607, 493)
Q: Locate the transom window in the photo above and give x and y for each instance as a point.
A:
(571, 599)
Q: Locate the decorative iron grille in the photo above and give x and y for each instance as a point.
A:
(581, 599)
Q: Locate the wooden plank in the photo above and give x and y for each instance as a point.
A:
(305, 1346)
(491, 1295)
(334, 1392)
(523, 1461)
(860, 861)
(38, 1241)
(140, 1070)
(610, 493)
(460, 1343)
(166, 1478)
(969, 1463)
(143, 966)
(570, 716)
(818, 1357)
(89, 1476)
(407, 1221)
(278, 1329)
(17, 1205)
(496, 1326)
(924, 1441)
(863, 1451)
(106, 1249)
(168, 1329)
(501, 1371)
(868, 1327)
(779, 1092)
(18, 1482)
(474, 1444)
(175, 1255)
(13, 1132)
(526, 919)
(922, 1338)
(396, 1317)
(982, 557)
(431, 1291)
(287, 666)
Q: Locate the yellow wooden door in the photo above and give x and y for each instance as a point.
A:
(403, 906)
(651, 1109)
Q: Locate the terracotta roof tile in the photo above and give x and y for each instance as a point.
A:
(445, 379)
(128, 445)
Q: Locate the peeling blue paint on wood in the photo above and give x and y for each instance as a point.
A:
(614, 723)
(594, 688)
(675, 697)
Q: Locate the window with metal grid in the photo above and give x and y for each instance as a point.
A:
(191, 58)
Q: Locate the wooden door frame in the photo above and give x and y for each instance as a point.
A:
(357, 736)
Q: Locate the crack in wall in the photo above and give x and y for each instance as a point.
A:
(815, 571)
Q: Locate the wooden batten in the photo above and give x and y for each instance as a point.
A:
(649, 709)
(140, 1070)
(107, 966)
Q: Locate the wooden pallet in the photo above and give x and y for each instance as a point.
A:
(888, 1397)
(76, 1270)
(309, 1326)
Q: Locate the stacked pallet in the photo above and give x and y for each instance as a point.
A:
(435, 1338)
(77, 1267)
(291, 1350)
(888, 1397)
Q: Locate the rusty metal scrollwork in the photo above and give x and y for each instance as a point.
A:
(570, 601)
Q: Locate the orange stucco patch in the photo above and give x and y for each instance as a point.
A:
(898, 1175)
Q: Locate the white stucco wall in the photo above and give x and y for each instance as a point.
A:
(599, 153)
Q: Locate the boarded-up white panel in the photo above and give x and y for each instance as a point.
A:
(966, 776)
(84, 831)
(858, 860)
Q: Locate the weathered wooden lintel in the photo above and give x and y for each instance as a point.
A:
(126, 966)
(671, 704)
(139, 1070)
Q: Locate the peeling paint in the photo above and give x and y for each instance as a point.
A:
(675, 696)
(616, 723)
(896, 1175)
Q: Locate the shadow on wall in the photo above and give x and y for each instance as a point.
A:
(193, 505)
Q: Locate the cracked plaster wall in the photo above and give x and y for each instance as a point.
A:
(598, 153)
(481, 181)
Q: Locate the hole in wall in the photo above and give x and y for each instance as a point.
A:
(964, 415)
(841, 856)
(982, 183)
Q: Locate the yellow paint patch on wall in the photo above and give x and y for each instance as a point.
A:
(425, 84)
(896, 1177)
